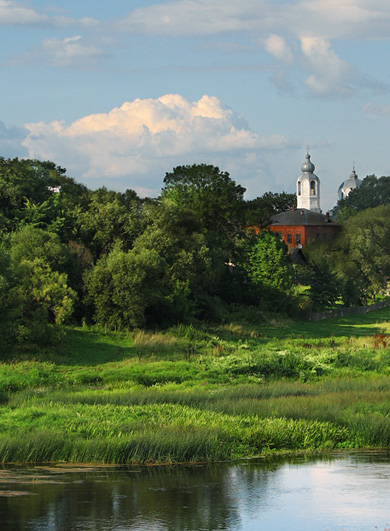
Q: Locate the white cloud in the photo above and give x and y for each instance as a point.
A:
(71, 51)
(325, 18)
(281, 27)
(15, 14)
(66, 53)
(277, 46)
(189, 17)
(330, 74)
(138, 142)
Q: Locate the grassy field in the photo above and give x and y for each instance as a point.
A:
(238, 390)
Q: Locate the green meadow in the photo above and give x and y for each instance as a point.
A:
(247, 388)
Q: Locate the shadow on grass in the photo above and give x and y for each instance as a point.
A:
(351, 325)
(81, 347)
(91, 347)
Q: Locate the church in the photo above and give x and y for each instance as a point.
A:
(306, 222)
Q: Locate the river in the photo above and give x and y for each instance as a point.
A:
(347, 492)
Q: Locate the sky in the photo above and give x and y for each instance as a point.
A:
(121, 92)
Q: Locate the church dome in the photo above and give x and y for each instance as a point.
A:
(308, 166)
(348, 185)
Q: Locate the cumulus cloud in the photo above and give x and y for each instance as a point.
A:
(132, 146)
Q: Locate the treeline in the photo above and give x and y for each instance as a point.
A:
(355, 266)
(69, 254)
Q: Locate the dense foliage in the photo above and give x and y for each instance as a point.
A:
(69, 253)
(372, 193)
(356, 264)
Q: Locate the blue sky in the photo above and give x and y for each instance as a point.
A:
(121, 92)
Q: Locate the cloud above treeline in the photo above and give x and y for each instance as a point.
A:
(132, 146)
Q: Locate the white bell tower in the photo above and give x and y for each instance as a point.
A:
(308, 187)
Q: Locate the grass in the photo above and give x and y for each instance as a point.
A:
(238, 390)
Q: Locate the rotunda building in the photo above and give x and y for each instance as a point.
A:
(348, 185)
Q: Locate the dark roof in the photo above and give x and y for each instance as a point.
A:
(302, 216)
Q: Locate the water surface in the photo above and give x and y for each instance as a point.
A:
(337, 493)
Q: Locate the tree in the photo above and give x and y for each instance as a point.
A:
(31, 243)
(28, 195)
(125, 286)
(368, 237)
(44, 291)
(325, 286)
(270, 270)
(373, 192)
(109, 217)
(193, 269)
(258, 212)
(34, 299)
(359, 255)
(215, 198)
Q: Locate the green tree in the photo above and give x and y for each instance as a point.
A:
(125, 286)
(34, 300)
(373, 192)
(326, 288)
(31, 243)
(109, 217)
(215, 198)
(359, 256)
(193, 269)
(270, 270)
(368, 237)
(258, 212)
(45, 291)
(28, 195)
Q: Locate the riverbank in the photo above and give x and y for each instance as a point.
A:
(190, 394)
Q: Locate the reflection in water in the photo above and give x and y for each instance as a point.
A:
(351, 493)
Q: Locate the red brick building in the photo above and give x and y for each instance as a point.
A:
(306, 222)
(299, 225)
